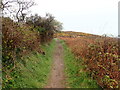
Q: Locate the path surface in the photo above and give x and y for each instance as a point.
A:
(57, 77)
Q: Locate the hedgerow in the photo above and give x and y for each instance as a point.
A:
(100, 54)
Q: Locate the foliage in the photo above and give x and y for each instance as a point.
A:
(100, 54)
(32, 71)
(76, 77)
(17, 40)
(20, 37)
(73, 34)
(48, 22)
(46, 26)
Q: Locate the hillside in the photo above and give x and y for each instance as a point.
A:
(74, 34)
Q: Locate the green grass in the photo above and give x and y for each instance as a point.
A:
(76, 77)
(34, 71)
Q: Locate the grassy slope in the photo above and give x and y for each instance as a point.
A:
(74, 70)
(35, 72)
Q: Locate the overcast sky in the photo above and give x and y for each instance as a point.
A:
(90, 16)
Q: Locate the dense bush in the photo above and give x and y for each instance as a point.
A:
(100, 54)
(102, 61)
(46, 26)
(17, 40)
(21, 39)
(22, 35)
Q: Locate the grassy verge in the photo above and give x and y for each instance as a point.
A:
(34, 71)
(74, 70)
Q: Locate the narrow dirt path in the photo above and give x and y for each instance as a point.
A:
(57, 78)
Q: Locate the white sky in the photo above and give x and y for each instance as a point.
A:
(90, 16)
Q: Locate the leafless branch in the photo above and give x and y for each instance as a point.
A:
(21, 7)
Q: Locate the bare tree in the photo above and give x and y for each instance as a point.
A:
(16, 8)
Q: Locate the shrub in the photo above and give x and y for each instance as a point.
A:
(100, 54)
(17, 40)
